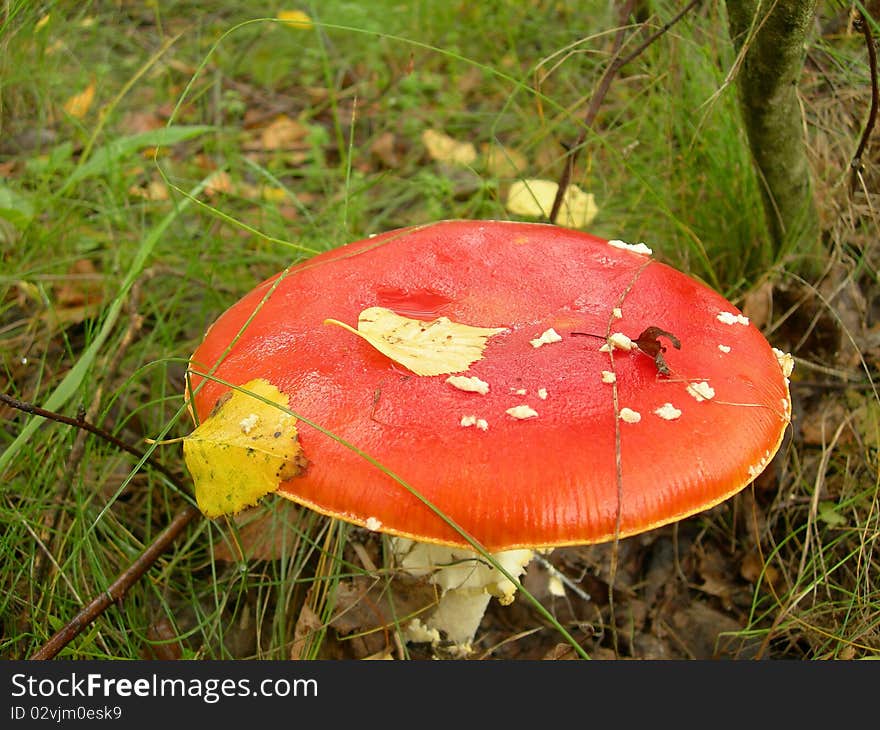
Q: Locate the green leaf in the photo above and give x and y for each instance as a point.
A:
(106, 158)
(15, 207)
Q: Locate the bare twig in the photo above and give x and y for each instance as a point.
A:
(81, 422)
(617, 62)
(133, 573)
(856, 165)
(118, 588)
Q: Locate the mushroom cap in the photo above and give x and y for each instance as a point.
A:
(605, 456)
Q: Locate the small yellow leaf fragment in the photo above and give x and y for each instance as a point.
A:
(79, 104)
(295, 19)
(243, 450)
(521, 412)
(534, 198)
(468, 384)
(438, 347)
(546, 338)
(443, 148)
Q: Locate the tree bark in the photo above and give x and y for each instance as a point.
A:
(773, 33)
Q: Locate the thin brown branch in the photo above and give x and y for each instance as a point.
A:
(617, 62)
(82, 423)
(856, 165)
(117, 590)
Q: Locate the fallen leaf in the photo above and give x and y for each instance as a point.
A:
(443, 148)
(139, 121)
(308, 625)
(154, 190)
(243, 450)
(503, 161)
(754, 569)
(758, 304)
(263, 534)
(79, 104)
(77, 297)
(534, 199)
(219, 183)
(161, 641)
(272, 194)
(649, 343)
(296, 19)
(438, 347)
(282, 132)
(384, 149)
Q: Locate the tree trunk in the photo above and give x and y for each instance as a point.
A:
(773, 33)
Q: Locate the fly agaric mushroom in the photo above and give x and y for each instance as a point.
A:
(522, 435)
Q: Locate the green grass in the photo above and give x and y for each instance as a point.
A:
(667, 161)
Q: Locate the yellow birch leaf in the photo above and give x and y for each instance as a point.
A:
(503, 161)
(534, 199)
(295, 19)
(426, 348)
(243, 450)
(78, 105)
(443, 148)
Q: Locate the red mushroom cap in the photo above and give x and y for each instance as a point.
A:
(598, 459)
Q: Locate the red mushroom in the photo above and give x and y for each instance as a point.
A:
(544, 439)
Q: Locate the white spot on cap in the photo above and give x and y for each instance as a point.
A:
(468, 384)
(542, 393)
(247, 424)
(628, 415)
(522, 412)
(373, 524)
(786, 362)
(668, 412)
(731, 318)
(617, 312)
(724, 348)
(608, 377)
(634, 247)
(480, 423)
(546, 338)
(619, 341)
(520, 391)
(701, 391)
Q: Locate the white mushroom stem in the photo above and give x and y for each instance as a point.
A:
(466, 582)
